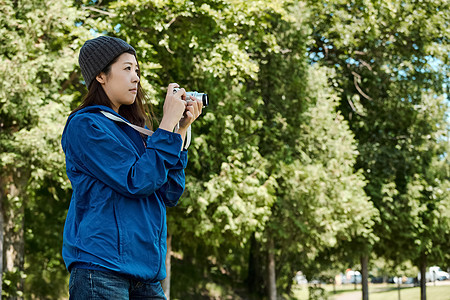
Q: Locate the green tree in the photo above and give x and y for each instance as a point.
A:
(38, 47)
(311, 154)
(273, 184)
(393, 60)
(320, 200)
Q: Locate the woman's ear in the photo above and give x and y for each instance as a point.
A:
(101, 78)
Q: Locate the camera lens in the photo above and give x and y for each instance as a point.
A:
(205, 100)
(202, 96)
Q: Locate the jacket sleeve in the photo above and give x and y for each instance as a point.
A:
(172, 190)
(98, 152)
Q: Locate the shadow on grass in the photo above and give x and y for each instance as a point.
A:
(338, 292)
(372, 290)
(389, 289)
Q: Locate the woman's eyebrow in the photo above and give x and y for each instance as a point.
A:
(128, 62)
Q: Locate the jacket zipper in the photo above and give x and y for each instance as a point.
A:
(159, 242)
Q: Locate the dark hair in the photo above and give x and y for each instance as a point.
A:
(139, 113)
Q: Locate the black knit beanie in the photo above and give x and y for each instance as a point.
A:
(97, 53)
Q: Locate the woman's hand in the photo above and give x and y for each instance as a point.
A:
(174, 107)
(193, 110)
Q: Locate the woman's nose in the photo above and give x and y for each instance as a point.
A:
(136, 78)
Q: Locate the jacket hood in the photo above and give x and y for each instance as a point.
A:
(91, 108)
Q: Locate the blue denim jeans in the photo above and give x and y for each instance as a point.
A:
(87, 284)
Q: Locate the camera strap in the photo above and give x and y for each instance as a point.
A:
(146, 131)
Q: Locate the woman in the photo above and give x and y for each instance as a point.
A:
(115, 232)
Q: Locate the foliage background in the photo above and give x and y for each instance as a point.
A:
(326, 138)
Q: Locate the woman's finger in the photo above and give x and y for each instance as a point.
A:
(198, 106)
(189, 115)
(195, 107)
(180, 94)
(171, 87)
(190, 109)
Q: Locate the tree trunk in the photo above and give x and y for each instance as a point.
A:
(271, 271)
(166, 282)
(423, 278)
(365, 276)
(398, 286)
(13, 206)
(256, 280)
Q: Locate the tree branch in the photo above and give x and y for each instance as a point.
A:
(356, 78)
(66, 83)
(353, 107)
(100, 11)
(171, 21)
(366, 64)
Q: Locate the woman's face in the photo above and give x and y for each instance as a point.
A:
(120, 85)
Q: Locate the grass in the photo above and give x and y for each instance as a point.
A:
(379, 292)
(433, 293)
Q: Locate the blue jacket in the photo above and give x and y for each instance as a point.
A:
(121, 187)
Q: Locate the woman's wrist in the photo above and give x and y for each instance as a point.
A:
(167, 125)
(182, 132)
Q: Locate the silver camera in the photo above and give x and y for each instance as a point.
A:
(201, 96)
